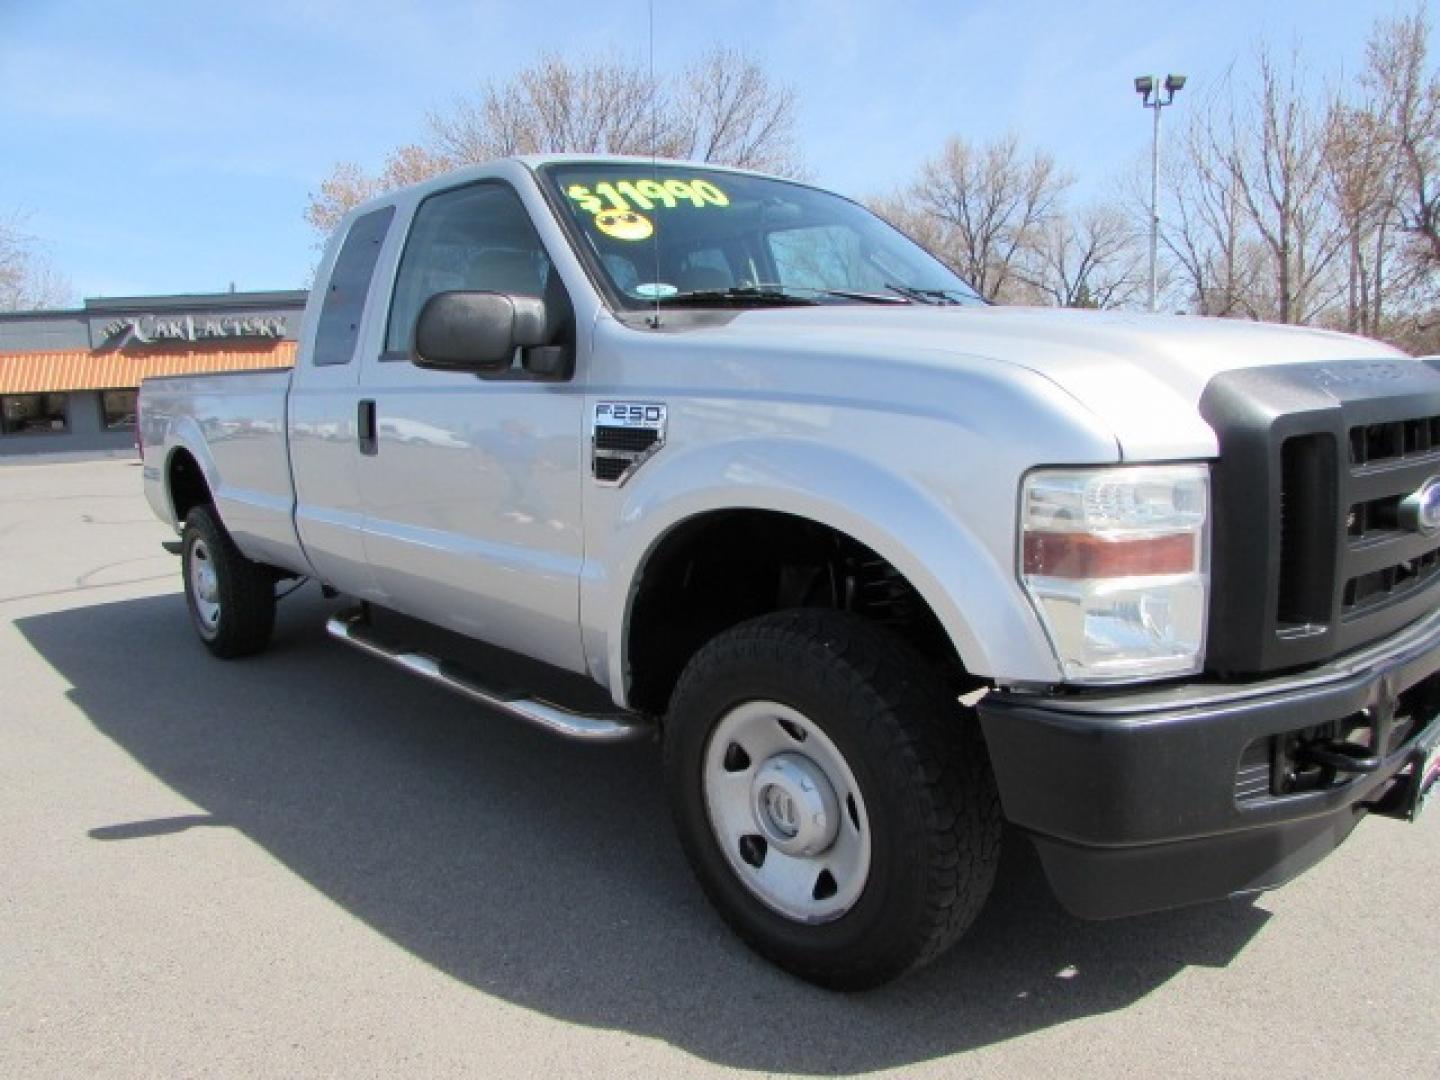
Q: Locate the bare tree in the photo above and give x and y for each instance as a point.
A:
(28, 280)
(410, 164)
(1360, 164)
(1211, 259)
(900, 210)
(1274, 149)
(346, 186)
(1251, 228)
(1089, 259)
(729, 111)
(724, 109)
(983, 209)
(1409, 102)
(556, 106)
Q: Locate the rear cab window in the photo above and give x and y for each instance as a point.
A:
(339, 326)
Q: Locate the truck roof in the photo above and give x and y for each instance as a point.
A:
(534, 161)
(500, 167)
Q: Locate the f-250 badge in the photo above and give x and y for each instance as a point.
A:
(625, 435)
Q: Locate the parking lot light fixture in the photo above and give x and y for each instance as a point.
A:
(1152, 98)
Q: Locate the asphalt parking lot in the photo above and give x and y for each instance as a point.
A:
(310, 864)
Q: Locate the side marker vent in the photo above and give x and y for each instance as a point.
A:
(624, 435)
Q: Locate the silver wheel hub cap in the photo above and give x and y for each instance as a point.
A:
(795, 806)
(787, 812)
(204, 586)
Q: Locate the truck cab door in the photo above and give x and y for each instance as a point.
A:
(324, 410)
(472, 486)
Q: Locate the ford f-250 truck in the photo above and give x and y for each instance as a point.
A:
(882, 565)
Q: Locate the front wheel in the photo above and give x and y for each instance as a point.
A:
(833, 800)
(231, 599)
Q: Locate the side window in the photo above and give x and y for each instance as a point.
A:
(339, 327)
(476, 238)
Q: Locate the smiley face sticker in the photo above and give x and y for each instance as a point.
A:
(624, 225)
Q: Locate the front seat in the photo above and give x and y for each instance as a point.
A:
(703, 279)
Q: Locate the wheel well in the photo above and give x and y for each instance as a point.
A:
(187, 485)
(723, 568)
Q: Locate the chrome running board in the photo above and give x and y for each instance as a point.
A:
(618, 726)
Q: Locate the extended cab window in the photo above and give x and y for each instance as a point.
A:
(339, 326)
(476, 238)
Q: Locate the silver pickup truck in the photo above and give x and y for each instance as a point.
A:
(884, 567)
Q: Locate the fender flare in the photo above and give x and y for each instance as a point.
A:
(954, 573)
(186, 435)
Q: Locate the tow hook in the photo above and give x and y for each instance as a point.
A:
(1343, 757)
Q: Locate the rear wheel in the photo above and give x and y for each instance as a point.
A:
(231, 599)
(834, 802)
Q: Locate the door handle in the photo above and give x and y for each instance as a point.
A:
(365, 427)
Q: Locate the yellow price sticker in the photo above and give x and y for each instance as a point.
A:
(624, 225)
(629, 195)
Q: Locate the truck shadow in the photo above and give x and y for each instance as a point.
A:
(546, 873)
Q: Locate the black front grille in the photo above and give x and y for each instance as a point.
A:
(1310, 554)
(1379, 588)
(1371, 444)
(1307, 495)
(1387, 564)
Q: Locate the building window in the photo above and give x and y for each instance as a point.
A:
(118, 409)
(34, 414)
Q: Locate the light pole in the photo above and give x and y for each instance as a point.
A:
(1151, 98)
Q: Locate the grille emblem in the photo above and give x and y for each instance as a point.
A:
(1420, 512)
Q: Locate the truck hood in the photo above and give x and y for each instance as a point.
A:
(1142, 375)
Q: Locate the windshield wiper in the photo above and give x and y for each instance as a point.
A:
(868, 297)
(777, 294)
(737, 294)
(925, 296)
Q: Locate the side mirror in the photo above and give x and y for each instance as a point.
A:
(476, 331)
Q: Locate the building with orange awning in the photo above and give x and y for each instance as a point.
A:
(68, 378)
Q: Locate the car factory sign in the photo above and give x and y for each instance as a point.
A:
(145, 329)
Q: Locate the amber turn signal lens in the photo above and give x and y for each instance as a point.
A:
(1084, 555)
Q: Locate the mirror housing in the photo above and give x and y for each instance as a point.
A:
(476, 331)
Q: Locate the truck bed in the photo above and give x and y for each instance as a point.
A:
(239, 418)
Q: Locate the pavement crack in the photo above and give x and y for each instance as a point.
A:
(83, 588)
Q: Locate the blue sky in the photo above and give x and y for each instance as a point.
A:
(165, 146)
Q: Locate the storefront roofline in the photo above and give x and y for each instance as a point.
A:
(62, 372)
(195, 301)
(118, 305)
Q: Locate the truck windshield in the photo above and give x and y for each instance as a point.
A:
(685, 236)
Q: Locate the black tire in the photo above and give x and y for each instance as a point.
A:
(242, 614)
(922, 771)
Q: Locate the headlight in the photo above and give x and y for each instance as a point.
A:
(1116, 562)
